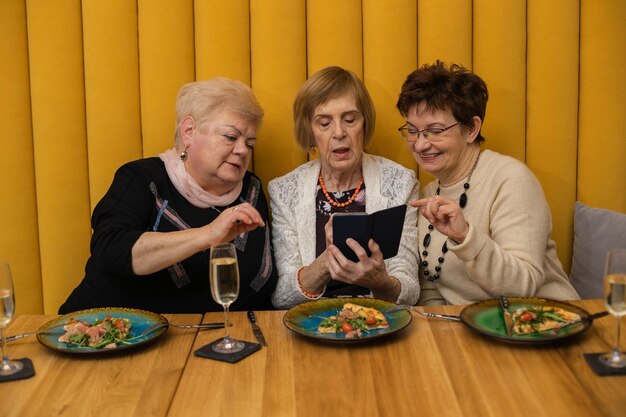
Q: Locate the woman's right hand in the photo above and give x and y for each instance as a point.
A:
(232, 222)
(314, 277)
(154, 251)
(445, 215)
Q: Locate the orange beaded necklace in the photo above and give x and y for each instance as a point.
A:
(335, 203)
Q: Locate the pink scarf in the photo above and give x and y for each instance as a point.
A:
(189, 188)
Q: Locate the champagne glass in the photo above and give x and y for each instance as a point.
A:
(224, 276)
(615, 299)
(7, 308)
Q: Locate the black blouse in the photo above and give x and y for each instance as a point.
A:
(142, 198)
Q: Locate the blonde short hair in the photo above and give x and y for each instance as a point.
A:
(201, 99)
(323, 86)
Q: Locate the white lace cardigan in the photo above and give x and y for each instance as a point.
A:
(292, 199)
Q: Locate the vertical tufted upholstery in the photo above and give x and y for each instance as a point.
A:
(89, 84)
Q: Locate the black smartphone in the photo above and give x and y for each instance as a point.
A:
(384, 226)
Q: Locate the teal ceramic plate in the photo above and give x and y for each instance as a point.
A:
(140, 320)
(305, 318)
(486, 317)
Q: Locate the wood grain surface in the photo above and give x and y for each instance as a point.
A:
(433, 367)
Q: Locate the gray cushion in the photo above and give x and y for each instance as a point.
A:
(595, 232)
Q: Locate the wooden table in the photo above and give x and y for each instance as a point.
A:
(432, 368)
(140, 383)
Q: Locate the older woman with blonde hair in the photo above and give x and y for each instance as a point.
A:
(333, 112)
(154, 226)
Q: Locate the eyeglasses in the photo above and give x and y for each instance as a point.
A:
(411, 134)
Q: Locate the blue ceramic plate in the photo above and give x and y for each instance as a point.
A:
(486, 317)
(140, 320)
(305, 318)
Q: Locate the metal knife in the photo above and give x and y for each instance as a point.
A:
(506, 314)
(256, 329)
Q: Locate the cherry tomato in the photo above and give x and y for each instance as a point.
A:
(370, 320)
(119, 324)
(346, 327)
(527, 316)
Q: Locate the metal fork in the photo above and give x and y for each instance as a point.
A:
(157, 326)
(146, 332)
(48, 330)
(401, 307)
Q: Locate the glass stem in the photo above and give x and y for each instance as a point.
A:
(616, 352)
(226, 336)
(5, 358)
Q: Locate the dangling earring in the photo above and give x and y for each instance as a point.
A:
(184, 155)
(313, 151)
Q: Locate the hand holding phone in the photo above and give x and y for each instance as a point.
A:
(384, 227)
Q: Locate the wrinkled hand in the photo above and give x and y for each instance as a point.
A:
(234, 221)
(445, 215)
(370, 272)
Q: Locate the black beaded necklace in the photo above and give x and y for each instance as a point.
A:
(444, 248)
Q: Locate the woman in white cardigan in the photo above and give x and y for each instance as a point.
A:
(334, 113)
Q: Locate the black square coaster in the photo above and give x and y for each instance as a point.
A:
(27, 371)
(207, 351)
(593, 359)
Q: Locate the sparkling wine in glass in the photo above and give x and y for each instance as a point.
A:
(615, 299)
(7, 308)
(224, 276)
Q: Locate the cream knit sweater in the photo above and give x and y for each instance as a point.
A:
(508, 249)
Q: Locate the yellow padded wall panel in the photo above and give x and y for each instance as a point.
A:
(389, 54)
(278, 47)
(18, 205)
(334, 35)
(222, 39)
(552, 110)
(57, 97)
(112, 89)
(137, 52)
(602, 142)
(499, 45)
(444, 31)
(166, 62)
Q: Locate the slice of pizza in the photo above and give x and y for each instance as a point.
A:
(373, 318)
(328, 325)
(352, 319)
(541, 318)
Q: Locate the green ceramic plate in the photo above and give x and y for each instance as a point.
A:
(140, 320)
(305, 318)
(486, 317)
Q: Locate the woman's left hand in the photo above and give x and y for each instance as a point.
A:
(445, 215)
(370, 272)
